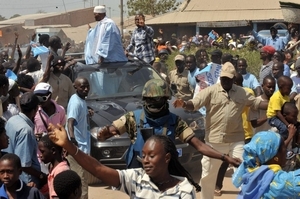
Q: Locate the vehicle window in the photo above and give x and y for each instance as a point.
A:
(114, 82)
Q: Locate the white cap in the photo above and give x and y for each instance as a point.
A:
(42, 88)
(99, 9)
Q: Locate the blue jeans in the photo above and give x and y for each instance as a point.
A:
(276, 122)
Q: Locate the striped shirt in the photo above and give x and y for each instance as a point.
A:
(137, 184)
(265, 70)
(142, 43)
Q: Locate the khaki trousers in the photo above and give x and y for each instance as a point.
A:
(210, 166)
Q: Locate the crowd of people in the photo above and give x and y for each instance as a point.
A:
(251, 122)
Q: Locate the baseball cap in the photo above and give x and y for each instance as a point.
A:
(179, 58)
(217, 52)
(227, 70)
(268, 49)
(58, 60)
(42, 88)
(99, 9)
(29, 101)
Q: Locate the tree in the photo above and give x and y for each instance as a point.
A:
(2, 18)
(15, 15)
(151, 7)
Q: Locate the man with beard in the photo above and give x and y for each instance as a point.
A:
(103, 43)
(258, 118)
(141, 42)
(61, 84)
(179, 79)
(155, 118)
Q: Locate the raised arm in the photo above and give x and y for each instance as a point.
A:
(108, 175)
(14, 46)
(47, 72)
(65, 49)
(18, 64)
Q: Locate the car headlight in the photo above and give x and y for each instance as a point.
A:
(198, 124)
(94, 131)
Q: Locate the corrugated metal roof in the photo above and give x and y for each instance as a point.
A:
(197, 11)
(23, 18)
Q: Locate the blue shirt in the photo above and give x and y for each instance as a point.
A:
(22, 142)
(105, 41)
(142, 43)
(250, 81)
(77, 110)
(192, 78)
(286, 70)
(278, 43)
(24, 192)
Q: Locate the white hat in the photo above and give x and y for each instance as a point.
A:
(99, 9)
(42, 88)
(240, 46)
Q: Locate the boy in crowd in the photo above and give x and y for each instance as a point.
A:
(13, 187)
(275, 117)
(67, 185)
(51, 153)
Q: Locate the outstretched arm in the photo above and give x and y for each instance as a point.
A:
(109, 176)
(212, 153)
(18, 64)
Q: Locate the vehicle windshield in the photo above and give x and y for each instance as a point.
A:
(118, 81)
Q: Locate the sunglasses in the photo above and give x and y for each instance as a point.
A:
(43, 99)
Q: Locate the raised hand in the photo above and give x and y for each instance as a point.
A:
(58, 135)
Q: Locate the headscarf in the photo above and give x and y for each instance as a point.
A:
(263, 147)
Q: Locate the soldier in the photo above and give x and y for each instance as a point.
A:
(155, 118)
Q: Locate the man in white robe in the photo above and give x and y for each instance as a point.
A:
(103, 43)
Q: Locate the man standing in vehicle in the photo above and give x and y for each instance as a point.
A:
(103, 43)
(141, 42)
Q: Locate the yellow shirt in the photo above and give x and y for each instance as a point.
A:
(224, 112)
(248, 130)
(275, 103)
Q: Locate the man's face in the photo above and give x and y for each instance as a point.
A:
(263, 54)
(9, 174)
(82, 87)
(226, 83)
(98, 16)
(190, 64)
(180, 65)
(45, 99)
(277, 70)
(269, 87)
(242, 67)
(139, 21)
(273, 32)
(277, 57)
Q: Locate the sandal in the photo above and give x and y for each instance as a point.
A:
(218, 192)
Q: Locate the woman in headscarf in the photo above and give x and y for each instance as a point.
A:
(260, 176)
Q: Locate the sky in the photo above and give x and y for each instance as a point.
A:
(23, 7)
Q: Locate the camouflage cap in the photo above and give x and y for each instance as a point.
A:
(156, 88)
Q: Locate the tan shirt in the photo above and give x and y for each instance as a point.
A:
(62, 89)
(224, 112)
(184, 90)
(257, 114)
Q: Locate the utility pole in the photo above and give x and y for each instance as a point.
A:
(122, 20)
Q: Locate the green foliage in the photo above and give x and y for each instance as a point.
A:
(151, 7)
(15, 15)
(252, 57)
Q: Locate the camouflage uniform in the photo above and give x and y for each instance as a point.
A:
(153, 88)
